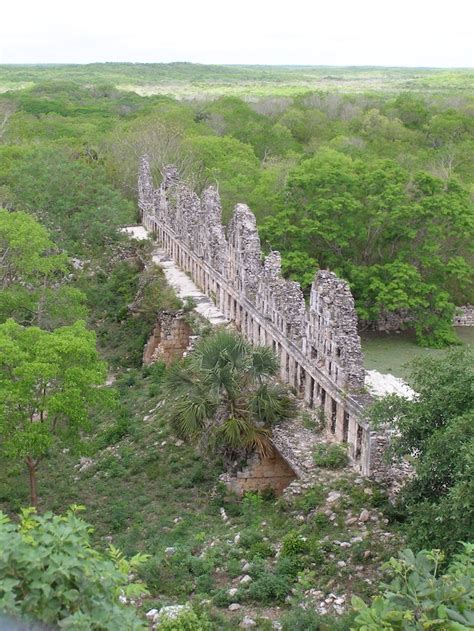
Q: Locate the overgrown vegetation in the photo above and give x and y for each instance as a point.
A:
(435, 431)
(398, 166)
(376, 186)
(50, 573)
(222, 399)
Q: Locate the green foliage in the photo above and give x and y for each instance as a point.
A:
(33, 275)
(187, 620)
(220, 395)
(48, 389)
(50, 573)
(294, 544)
(422, 595)
(330, 456)
(299, 619)
(435, 429)
(269, 588)
(368, 221)
(71, 197)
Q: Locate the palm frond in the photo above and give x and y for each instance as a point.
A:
(264, 362)
(271, 403)
(239, 433)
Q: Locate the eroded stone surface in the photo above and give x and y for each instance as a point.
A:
(319, 348)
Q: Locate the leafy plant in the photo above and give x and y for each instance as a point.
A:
(220, 396)
(50, 573)
(330, 456)
(48, 390)
(422, 595)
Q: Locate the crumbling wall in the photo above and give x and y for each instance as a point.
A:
(262, 473)
(170, 338)
(464, 316)
(319, 348)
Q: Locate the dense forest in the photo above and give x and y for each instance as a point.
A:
(376, 185)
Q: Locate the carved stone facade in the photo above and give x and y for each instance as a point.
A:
(319, 348)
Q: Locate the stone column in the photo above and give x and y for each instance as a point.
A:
(339, 423)
(308, 390)
(283, 371)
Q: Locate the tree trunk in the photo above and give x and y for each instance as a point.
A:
(32, 465)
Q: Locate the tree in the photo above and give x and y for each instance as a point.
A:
(33, 275)
(436, 431)
(49, 387)
(69, 195)
(50, 573)
(422, 594)
(403, 242)
(227, 162)
(221, 396)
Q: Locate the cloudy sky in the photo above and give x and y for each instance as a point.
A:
(321, 32)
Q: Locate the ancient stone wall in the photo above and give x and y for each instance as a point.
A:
(464, 316)
(402, 319)
(169, 339)
(319, 348)
(262, 474)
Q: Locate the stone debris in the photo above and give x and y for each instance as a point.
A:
(248, 623)
(234, 607)
(364, 515)
(84, 464)
(170, 612)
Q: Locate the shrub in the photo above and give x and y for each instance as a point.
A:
(187, 620)
(299, 619)
(294, 544)
(260, 549)
(250, 537)
(52, 573)
(310, 500)
(288, 566)
(221, 598)
(421, 595)
(332, 456)
(270, 588)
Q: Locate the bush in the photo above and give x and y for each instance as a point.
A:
(260, 549)
(299, 619)
(52, 573)
(294, 544)
(310, 500)
(250, 537)
(421, 595)
(187, 620)
(332, 456)
(270, 588)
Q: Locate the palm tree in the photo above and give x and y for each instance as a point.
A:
(223, 397)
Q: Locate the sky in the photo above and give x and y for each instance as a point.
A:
(331, 32)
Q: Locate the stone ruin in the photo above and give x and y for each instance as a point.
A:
(170, 338)
(318, 346)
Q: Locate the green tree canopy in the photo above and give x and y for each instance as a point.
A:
(403, 243)
(70, 196)
(436, 431)
(33, 275)
(49, 387)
